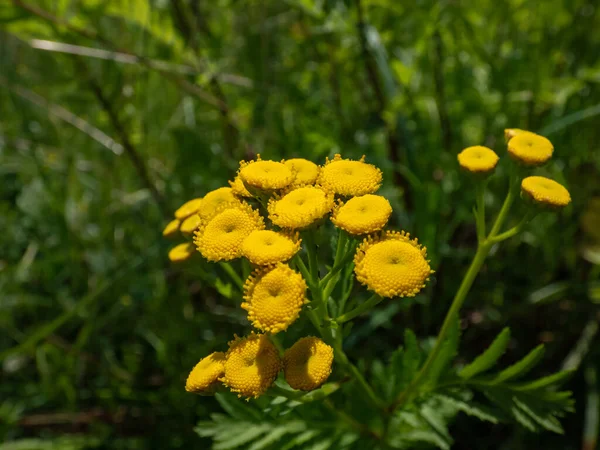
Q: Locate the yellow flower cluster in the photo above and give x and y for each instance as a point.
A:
(260, 217)
(529, 150)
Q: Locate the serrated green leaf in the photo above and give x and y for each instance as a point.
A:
(237, 407)
(300, 439)
(270, 438)
(474, 409)
(405, 364)
(234, 440)
(542, 418)
(445, 356)
(489, 357)
(325, 444)
(522, 366)
(556, 379)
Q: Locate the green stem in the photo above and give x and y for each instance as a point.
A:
(505, 207)
(303, 269)
(233, 275)
(480, 214)
(370, 303)
(370, 395)
(514, 230)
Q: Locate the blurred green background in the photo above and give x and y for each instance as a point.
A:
(113, 113)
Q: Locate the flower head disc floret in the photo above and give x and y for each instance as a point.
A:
(251, 365)
(265, 175)
(478, 159)
(220, 236)
(307, 364)
(172, 228)
(204, 377)
(274, 297)
(238, 188)
(347, 177)
(214, 199)
(264, 247)
(545, 192)
(181, 252)
(362, 215)
(188, 208)
(306, 171)
(392, 265)
(530, 149)
(300, 207)
(189, 225)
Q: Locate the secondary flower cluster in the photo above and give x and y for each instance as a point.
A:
(261, 216)
(528, 150)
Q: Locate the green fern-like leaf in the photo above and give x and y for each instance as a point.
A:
(522, 366)
(488, 358)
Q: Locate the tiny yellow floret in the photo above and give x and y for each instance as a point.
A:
(220, 236)
(214, 199)
(274, 297)
(362, 215)
(238, 188)
(251, 365)
(264, 247)
(530, 149)
(300, 207)
(307, 364)
(189, 225)
(265, 175)
(188, 208)
(306, 171)
(204, 377)
(172, 228)
(348, 178)
(392, 265)
(181, 252)
(545, 192)
(478, 159)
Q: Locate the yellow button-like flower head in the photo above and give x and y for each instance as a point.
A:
(307, 364)
(204, 377)
(530, 149)
(510, 133)
(181, 252)
(172, 228)
(265, 175)
(346, 177)
(264, 247)
(306, 171)
(251, 365)
(391, 264)
(478, 159)
(220, 236)
(188, 208)
(300, 207)
(238, 188)
(274, 297)
(362, 215)
(214, 199)
(189, 225)
(545, 192)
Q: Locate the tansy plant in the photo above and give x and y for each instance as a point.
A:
(281, 220)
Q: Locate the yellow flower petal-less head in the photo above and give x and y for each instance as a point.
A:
(238, 188)
(181, 252)
(188, 208)
(220, 237)
(478, 159)
(204, 377)
(306, 171)
(362, 215)
(264, 247)
(265, 175)
(274, 297)
(347, 177)
(189, 225)
(300, 207)
(530, 149)
(172, 228)
(392, 265)
(545, 192)
(251, 365)
(214, 199)
(510, 133)
(307, 364)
